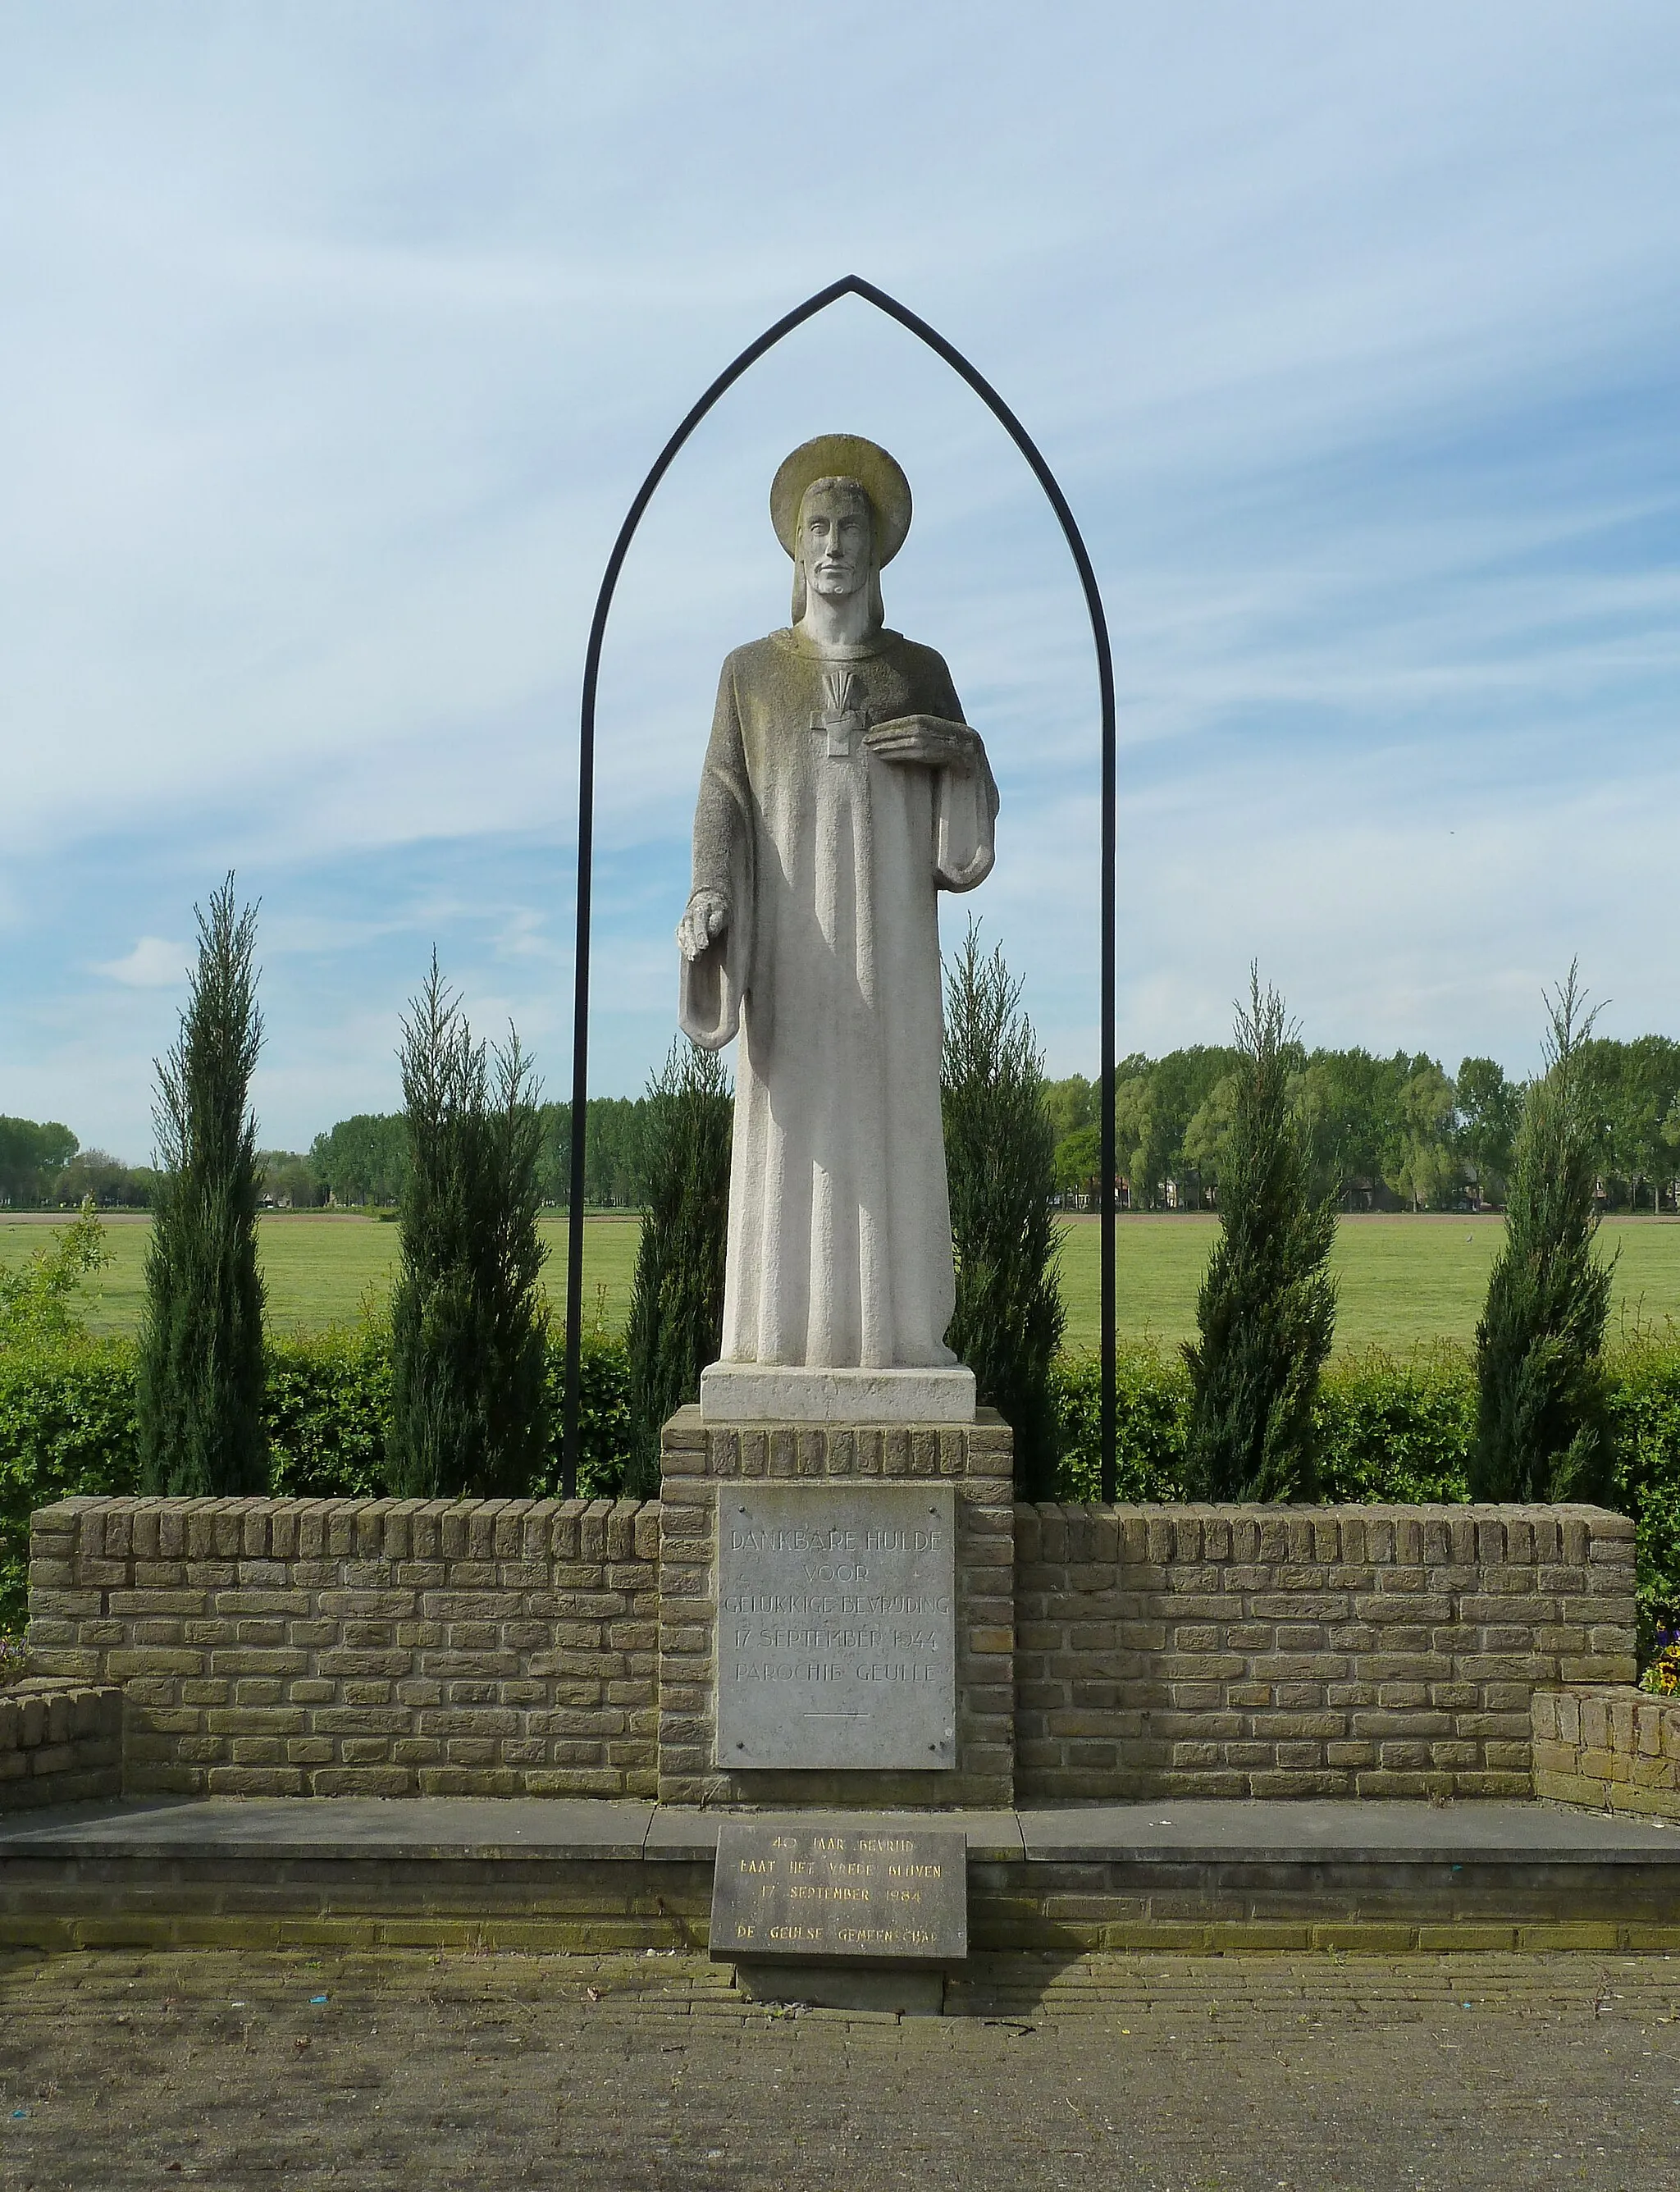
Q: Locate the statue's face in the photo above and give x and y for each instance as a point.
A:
(834, 541)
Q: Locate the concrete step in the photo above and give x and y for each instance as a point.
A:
(576, 1873)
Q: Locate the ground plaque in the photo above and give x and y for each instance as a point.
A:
(882, 1894)
(837, 1626)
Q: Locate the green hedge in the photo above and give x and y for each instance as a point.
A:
(1391, 1431)
(67, 1427)
(1645, 1415)
(1394, 1430)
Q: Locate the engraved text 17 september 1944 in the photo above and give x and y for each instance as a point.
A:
(889, 1892)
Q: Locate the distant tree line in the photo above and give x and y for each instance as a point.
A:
(362, 1161)
(42, 1166)
(365, 1159)
(1384, 1134)
(1381, 1133)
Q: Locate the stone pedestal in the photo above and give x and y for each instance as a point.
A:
(773, 1393)
(966, 1471)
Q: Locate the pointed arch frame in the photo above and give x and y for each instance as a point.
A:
(850, 285)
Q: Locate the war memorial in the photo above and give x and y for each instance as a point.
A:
(836, 1704)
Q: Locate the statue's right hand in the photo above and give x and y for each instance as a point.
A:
(705, 921)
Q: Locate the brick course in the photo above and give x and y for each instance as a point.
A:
(60, 1743)
(360, 1647)
(1304, 1652)
(395, 1647)
(1613, 1750)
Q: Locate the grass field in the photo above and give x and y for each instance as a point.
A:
(1404, 1280)
(329, 1267)
(1401, 1281)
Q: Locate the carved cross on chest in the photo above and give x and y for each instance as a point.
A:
(844, 714)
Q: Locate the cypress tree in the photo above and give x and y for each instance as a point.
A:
(468, 1324)
(676, 1297)
(1542, 1431)
(1266, 1311)
(199, 1383)
(1000, 1161)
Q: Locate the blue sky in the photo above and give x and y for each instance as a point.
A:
(337, 341)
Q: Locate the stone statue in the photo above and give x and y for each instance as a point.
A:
(842, 791)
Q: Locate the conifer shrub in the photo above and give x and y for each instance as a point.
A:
(201, 1361)
(1542, 1429)
(1266, 1310)
(1000, 1161)
(468, 1368)
(675, 1326)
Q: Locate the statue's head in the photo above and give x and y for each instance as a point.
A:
(841, 508)
(834, 547)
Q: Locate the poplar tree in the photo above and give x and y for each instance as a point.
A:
(468, 1324)
(1542, 1429)
(1000, 1161)
(1267, 1306)
(676, 1324)
(199, 1382)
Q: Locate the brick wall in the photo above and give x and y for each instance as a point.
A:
(360, 1647)
(1611, 1750)
(508, 1647)
(1340, 1652)
(60, 1743)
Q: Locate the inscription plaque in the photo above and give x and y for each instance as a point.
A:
(837, 1626)
(886, 1893)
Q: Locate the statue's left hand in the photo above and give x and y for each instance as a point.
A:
(704, 920)
(931, 741)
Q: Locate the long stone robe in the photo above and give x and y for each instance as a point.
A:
(839, 1246)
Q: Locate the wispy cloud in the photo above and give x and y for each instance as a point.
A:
(337, 344)
(153, 964)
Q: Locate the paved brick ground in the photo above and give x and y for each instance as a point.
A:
(1169, 2074)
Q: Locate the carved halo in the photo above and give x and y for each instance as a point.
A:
(844, 456)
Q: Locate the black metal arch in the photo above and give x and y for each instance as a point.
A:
(852, 285)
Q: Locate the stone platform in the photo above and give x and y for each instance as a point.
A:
(575, 1874)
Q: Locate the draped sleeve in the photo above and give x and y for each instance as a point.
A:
(965, 806)
(710, 989)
